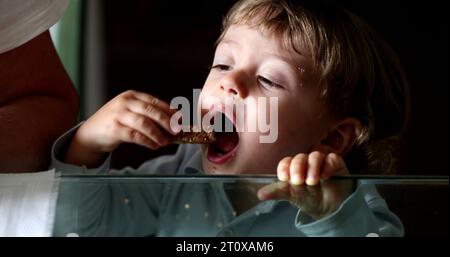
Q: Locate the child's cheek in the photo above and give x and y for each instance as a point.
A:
(293, 137)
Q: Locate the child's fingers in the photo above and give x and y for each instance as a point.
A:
(145, 126)
(315, 163)
(333, 165)
(275, 191)
(297, 170)
(283, 169)
(130, 135)
(153, 112)
(149, 99)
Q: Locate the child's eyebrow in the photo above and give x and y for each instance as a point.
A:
(290, 61)
(228, 42)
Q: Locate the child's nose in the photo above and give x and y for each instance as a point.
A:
(229, 90)
(234, 85)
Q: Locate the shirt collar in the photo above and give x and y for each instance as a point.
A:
(194, 164)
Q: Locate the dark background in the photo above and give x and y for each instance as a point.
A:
(165, 47)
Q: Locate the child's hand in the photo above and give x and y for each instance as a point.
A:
(131, 117)
(300, 176)
(310, 168)
(317, 201)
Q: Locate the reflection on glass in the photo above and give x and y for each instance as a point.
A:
(217, 206)
(315, 201)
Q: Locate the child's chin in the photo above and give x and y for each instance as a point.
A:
(210, 168)
(214, 169)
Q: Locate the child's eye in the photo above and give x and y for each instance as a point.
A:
(268, 84)
(221, 67)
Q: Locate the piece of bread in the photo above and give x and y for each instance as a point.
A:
(202, 137)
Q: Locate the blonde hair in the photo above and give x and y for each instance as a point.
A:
(361, 75)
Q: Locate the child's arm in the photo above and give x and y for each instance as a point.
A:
(114, 208)
(131, 117)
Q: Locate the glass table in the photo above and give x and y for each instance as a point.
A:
(119, 205)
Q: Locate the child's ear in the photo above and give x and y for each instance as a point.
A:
(341, 138)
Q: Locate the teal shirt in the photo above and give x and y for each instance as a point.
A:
(203, 209)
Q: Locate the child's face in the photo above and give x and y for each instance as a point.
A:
(249, 65)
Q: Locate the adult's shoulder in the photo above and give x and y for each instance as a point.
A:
(21, 21)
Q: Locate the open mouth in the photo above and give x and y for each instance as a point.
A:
(224, 148)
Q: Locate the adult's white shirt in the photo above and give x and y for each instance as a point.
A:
(22, 20)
